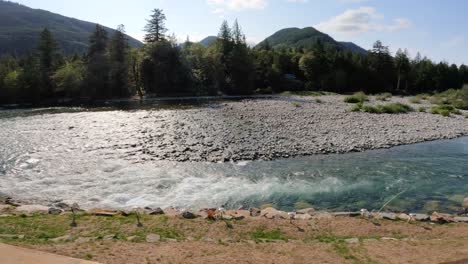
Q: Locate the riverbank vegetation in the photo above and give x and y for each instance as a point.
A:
(164, 67)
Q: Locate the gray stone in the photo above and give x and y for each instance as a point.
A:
(109, 237)
(403, 217)
(170, 240)
(8, 236)
(254, 212)
(65, 238)
(157, 211)
(302, 217)
(32, 209)
(269, 213)
(322, 215)
(420, 217)
(189, 215)
(82, 240)
(352, 240)
(388, 216)
(346, 214)
(6, 208)
(309, 211)
(461, 219)
(441, 218)
(153, 238)
(132, 238)
(55, 211)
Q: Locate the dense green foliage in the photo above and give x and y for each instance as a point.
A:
(393, 108)
(226, 65)
(20, 27)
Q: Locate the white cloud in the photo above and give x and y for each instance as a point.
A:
(237, 5)
(360, 20)
(298, 1)
(352, 1)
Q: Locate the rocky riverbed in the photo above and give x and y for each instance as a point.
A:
(286, 127)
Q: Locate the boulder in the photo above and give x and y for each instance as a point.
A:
(82, 240)
(346, 214)
(322, 215)
(103, 212)
(441, 218)
(62, 206)
(153, 238)
(272, 213)
(302, 217)
(132, 238)
(352, 240)
(157, 211)
(238, 214)
(5, 208)
(109, 237)
(461, 219)
(189, 215)
(387, 216)
(32, 209)
(11, 236)
(254, 212)
(403, 217)
(309, 211)
(55, 211)
(420, 217)
(65, 238)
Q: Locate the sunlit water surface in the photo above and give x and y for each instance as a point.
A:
(43, 159)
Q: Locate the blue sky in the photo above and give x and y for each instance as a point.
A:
(436, 28)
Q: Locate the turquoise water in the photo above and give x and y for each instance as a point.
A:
(40, 162)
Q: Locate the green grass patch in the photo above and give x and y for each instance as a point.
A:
(383, 97)
(40, 229)
(268, 235)
(359, 97)
(416, 100)
(296, 104)
(445, 110)
(422, 109)
(466, 115)
(393, 108)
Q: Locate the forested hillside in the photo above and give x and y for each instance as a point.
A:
(20, 27)
(306, 38)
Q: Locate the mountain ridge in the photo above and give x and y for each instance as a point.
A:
(21, 25)
(306, 38)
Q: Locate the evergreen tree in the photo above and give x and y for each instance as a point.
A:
(119, 60)
(48, 55)
(97, 76)
(156, 27)
(403, 67)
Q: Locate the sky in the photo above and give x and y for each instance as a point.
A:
(436, 28)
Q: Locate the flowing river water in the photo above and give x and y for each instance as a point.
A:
(45, 159)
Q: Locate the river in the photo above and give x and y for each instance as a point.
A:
(96, 162)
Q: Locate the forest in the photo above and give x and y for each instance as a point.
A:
(163, 67)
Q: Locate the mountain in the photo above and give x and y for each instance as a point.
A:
(20, 27)
(209, 41)
(306, 38)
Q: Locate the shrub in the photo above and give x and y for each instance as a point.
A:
(295, 104)
(466, 115)
(422, 109)
(445, 110)
(356, 108)
(384, 97)
(394, 108)
(318, 101)
(359, 97)
(415, 100)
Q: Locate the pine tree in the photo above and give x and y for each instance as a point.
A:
(156, 27)
(97, 76)
(119, 56)
(48, 52)
(403, 67)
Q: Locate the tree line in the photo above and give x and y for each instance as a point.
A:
(162, 67)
